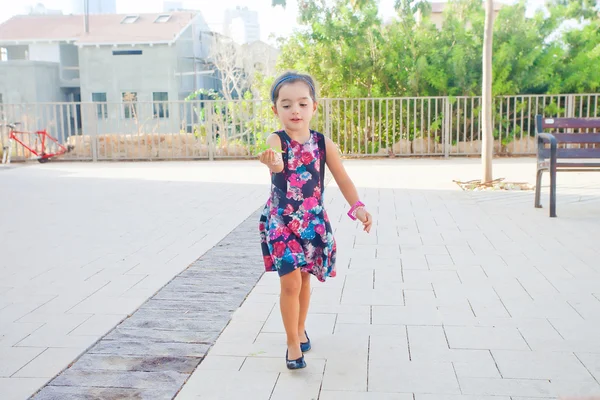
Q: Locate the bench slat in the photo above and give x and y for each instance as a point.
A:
(577, 137)
(571, 153)
(576, 123)
(578, 165)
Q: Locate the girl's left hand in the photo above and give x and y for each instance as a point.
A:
(363, 216)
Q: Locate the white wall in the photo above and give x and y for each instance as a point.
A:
(44, 52)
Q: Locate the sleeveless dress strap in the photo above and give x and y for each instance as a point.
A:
(280, 179)
(322, 158)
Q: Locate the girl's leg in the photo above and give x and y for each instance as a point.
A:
(289, 303)
(304, 303)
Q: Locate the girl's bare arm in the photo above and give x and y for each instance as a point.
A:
(334, 163)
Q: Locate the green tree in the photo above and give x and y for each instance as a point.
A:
(352, 53)
(342, 47)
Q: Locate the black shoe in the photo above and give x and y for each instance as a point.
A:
(306, 345)
(295, 364)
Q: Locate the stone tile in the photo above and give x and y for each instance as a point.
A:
(536, 398)
(426, 339)
(241, 331)
(149, 348)
(210, 385)
(258, 349)
(409, 315)
(425, 249)
(224, 363)
(528, 387)
(505, 387)
(592, 362)
(302, 386)
(20, 388)
(166, 380)
(48, 363)
(346, 371)
(347, 395)
(107, 305)
(436, 260)
(182, 305)
(388, 277)
(363, 252)
(415, 279)
(14, 358)
(365, 330)
(420, 396)
(386, 351)
(541, 308)
(489, 308)
(472, 363)
(354, 318)
(416, 377)
(212, 315)
(89, 362)
(12, 333)
(43, 340)
(540, 365)
(389, 252)
(419, 298)
(359, 279)
(153, 335)
(414, 261)
(77, 393)
(373, 297)
(374, 263)
(171, 324)
(98, 325)
(339, 309)
(485, 338)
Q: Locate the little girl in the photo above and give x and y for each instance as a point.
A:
(296, 235)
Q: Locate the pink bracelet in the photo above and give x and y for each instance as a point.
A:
(354, 209)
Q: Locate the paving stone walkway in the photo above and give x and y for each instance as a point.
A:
(85, 245)
(151, 354)
(454, 296)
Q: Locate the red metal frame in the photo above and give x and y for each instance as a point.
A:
(43, 157)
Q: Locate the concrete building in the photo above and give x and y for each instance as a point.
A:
(169, 6)
(95, 6)
(259, 56)
(132, 65)
(242, 25)
(40, 9)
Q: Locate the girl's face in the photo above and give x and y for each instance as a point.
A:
(295, 107)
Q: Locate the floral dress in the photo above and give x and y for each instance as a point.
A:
(294, 228)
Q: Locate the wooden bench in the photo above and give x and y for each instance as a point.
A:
(583, 133)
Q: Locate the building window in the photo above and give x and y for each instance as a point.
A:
(3, 54)
(130, 104)
(160, 105)
(162, 18)
(102, 108)
(126, 52)
(129, 19)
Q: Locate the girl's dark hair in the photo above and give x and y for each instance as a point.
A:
(291, 77)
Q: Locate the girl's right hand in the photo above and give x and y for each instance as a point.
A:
(267, 157)
(272, 159)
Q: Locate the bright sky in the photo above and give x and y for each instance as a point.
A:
(275, 21)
